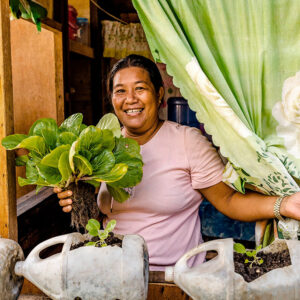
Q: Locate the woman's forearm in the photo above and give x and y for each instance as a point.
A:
(250, 206)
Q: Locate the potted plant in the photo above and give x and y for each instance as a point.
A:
(217, 279)
(78, 272)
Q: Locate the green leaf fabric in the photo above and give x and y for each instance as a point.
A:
(237, 63)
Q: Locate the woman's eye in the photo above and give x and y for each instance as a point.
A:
(119, 91)
(139, 88)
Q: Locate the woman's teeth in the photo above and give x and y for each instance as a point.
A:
(130, 111)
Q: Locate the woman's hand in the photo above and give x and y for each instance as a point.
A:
(64, 201)
(290, 206)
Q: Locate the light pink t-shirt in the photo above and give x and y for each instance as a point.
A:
(163, 208)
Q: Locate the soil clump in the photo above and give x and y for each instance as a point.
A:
(84, 206)
(111, 240)
(271, 261)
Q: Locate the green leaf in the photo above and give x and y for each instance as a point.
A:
(108, 139)
(103, 235)
(51, 175)
(71, 156)
(36, 144)
(103, 245)
(118, 194)
(111, 122)
(64, 166)
(22, 160)
(92, 224)
(250, 253)
(258, 248)
(93, 232)
(260, 261)
(239, 248)
(12, 141)
(86, 153)
(134, 173)
(38, 188)
(94, 183)
(37, 14)
(32, 174)
(82, 127)
(51, 159)
(128, 146)
(116, 173)
(82, 165)
(72, 124)
(24, 13)
(46, 128)
(110, 226)
(14, 7)
(103, 163)
(66, 138)
(91, 244)
(247, 261)
(94, 140)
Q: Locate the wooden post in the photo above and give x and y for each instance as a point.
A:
(8, 211)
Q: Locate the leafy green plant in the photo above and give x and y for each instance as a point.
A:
(252, 255)
(93, 228)
(74, 155)
(28, 9)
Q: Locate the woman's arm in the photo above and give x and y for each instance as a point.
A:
(251, 206)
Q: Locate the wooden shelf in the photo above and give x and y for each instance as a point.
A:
(81, 49)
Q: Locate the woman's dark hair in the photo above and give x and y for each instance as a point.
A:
(134, 60)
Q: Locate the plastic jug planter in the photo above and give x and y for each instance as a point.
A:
(216, 279)
(86, 273)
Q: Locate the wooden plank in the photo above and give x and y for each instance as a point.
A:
(8, 217)
(39, 95)
(32, 199)
(59, 77)
(81, 49)
(166, 291)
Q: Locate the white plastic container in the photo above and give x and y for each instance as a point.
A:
(216, 278)
(10, 283)
(89, 273)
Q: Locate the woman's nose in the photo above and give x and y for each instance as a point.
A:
(131, 97)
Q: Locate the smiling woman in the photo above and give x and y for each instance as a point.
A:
(136, 90)
(180, 168)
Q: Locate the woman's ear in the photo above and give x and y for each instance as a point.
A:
(161, 93)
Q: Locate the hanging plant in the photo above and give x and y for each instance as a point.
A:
(28, 9)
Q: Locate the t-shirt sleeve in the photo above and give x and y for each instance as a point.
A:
(206, 166)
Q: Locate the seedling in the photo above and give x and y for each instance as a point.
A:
(253, 258)
(93, 228)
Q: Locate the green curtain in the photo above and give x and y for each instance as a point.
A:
(236, 62)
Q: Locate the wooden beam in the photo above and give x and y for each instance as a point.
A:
(8, 217)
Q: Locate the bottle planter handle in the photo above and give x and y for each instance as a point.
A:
(223, 247)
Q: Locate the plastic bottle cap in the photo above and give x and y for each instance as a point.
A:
(169, 274)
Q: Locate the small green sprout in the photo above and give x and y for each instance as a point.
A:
(93, 228)
(239, 248)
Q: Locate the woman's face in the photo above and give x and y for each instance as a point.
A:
(135, 100)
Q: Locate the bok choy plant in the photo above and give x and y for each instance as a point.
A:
(77, 157)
